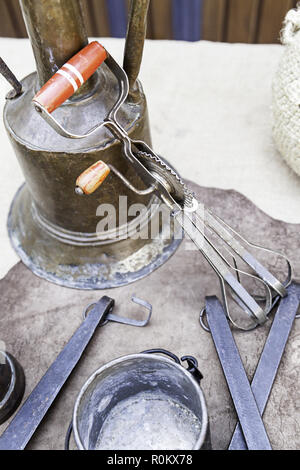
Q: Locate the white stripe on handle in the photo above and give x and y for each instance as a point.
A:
(69, 78)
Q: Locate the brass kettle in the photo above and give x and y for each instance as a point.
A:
(51, 228)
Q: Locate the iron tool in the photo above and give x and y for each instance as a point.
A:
(268, 364)
(246, 407)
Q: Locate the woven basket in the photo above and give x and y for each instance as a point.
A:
(286, 93)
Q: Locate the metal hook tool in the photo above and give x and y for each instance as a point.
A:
(125, 320)
(213, 237)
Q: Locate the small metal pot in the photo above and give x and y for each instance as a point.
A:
(142, 401)
(12, 385)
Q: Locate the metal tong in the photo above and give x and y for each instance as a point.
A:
(220, 244)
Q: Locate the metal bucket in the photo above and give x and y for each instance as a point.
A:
(142, 402)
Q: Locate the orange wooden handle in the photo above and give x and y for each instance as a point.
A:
(70, 77)
(93, 177)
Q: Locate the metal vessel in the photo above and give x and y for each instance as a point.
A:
(27, 420)
(53, 231)
(12, 385)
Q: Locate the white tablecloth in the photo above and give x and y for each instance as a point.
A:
(210, 114)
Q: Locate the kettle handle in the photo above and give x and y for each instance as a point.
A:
(70, 77)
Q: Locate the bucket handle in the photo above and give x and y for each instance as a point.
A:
(162, 351)
(191, 361)
(68, 436)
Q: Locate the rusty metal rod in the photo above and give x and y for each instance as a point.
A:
(11, 78)
(135, 40)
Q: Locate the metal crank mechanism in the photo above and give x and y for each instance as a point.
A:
(221, 245)
(28, 418)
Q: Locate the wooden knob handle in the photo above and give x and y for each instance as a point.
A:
(70, 77)
(93, 177)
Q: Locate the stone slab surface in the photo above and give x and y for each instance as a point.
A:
(38, 318)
